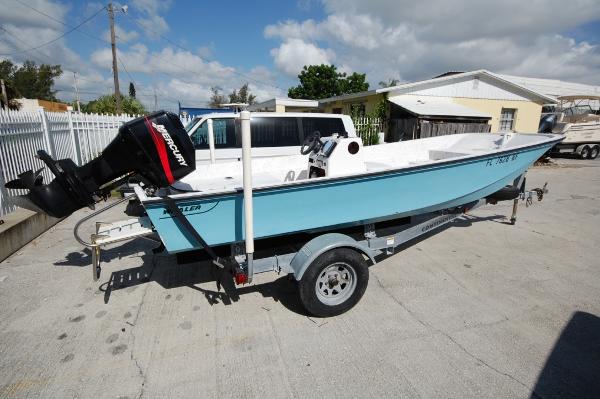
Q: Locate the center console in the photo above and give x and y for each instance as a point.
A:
(337, 156)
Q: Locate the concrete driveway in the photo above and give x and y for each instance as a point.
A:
(482, 309)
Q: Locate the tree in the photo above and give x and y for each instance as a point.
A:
(390, 82)
(242, 96)
(107, 105)
(29, 80)
(131, 90)
(217, 98)
(322, 81)
(354, 83)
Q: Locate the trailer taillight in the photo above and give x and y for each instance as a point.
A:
(240, 276)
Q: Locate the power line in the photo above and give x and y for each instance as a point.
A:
(45, 55)
(152, 55)
(85, 33)
(120, 59)
(57, 38)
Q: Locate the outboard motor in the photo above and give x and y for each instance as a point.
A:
(155, 146)
(547, 123)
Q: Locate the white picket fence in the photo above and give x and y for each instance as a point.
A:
(368, 129)
(78, 136)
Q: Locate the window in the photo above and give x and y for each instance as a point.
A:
(223, 131)
(325, 126)
(274, 132)
(336, 111)
(507, 119)
(579, 110)
(191, 124)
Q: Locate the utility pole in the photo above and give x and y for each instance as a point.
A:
(155, 100)
(76, 92)
(111, 18)
(4, 97)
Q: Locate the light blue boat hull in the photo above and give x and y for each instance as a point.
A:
(331, 203)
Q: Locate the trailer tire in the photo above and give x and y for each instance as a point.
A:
(334, 282)
(584, 152)
(594, 152)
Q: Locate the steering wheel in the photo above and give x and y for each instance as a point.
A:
(311, 143)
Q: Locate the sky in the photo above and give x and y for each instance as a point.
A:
(179, 49)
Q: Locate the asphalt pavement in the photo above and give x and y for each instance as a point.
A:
(481, 309)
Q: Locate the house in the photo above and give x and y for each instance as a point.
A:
(286, 105)
(451, 103)
(28, 104)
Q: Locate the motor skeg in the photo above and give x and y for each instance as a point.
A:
(155, 146)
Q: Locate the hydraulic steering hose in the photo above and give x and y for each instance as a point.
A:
(91, 215)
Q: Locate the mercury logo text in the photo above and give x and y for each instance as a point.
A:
(170, 144)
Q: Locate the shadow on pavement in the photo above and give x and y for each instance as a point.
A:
(164, 270)
(572, 369)
(84, 257)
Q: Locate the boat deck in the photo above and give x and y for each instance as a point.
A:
(267, 172)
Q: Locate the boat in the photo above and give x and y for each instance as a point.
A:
(376, 183)
(342, 184)
(578, 122)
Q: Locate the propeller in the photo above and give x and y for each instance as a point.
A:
(27, 180)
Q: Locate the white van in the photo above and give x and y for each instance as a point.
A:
(273, 134)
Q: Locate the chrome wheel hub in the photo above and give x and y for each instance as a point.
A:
(336, 283)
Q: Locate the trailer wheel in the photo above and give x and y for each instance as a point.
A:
(584, 152)
(594, 152)
(334, 282)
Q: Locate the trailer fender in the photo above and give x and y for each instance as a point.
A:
(321, 244)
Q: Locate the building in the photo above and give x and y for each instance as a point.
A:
(286, 105)
(28, 104)
(464, 101)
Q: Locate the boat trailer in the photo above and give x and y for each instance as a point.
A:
(325, 290)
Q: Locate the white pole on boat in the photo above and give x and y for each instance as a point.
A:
(211, 140)
(248, 211)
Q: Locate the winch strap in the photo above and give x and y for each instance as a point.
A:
(178, 215)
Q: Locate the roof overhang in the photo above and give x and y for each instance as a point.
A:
(436, 107)
(458, 76)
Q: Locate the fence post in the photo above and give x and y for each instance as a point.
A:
(74, 141)
(46, 131)
(4, 204)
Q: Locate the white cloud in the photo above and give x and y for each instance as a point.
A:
(174, 74)
(150, 20)
(293, 54)
(152, 6)
(153, 25)
(184, 76)
(417, 40)
(16, 14)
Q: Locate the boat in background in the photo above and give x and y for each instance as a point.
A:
(579, 122)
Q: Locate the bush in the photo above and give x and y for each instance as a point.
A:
(108, 105)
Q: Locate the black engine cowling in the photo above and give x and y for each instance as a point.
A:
(155, 146)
